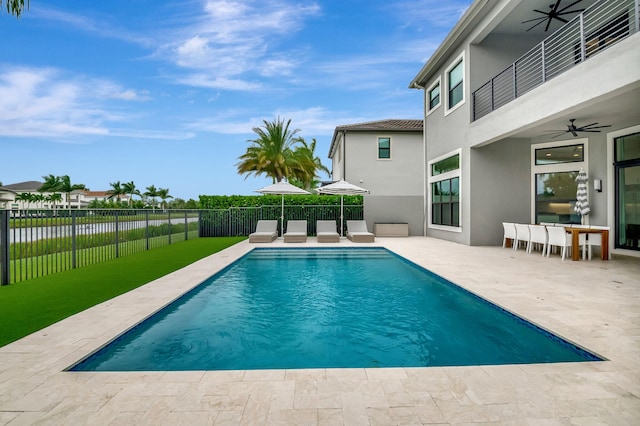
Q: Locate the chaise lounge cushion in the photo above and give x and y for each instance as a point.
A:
(358, 233)
(266, 232)
(326, 231)
(296, 231)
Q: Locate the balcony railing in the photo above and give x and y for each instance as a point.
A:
(597, 28)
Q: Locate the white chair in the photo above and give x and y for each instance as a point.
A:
(266, 232)
(509, 233)
(595, 239)
(522, 236)
(358, 233)
(538, 235)
(558, 237)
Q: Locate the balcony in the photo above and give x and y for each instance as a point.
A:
(594, 30)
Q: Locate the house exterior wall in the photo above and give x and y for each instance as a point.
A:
(396, 185)
(399, 175)
(496, 169)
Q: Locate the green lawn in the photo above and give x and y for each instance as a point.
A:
(32, 305)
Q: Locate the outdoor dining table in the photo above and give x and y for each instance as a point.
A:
(575, 236)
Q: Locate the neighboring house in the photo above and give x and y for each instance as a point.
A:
(79, 198)
(499, 98)
(385, 157)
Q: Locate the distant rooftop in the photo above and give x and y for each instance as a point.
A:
(388, 125)
(31, 185)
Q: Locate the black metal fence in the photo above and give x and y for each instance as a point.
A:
(35, 243)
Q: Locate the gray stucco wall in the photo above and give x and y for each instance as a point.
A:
(400, 175)
(500, 179)
(395, 209)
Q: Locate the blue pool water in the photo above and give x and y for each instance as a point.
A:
(323, 308)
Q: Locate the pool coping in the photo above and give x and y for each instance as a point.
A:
(34, 387)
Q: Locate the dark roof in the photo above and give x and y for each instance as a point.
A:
(31, 185)
(389, 125)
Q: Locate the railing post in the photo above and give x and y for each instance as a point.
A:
(543, 62)
(515, 80)
(583, 48)
(117, 235)
(73, 238)
(492, 94)
(5, 270)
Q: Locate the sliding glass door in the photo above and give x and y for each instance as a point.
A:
(627, 181)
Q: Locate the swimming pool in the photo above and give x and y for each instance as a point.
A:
(328, 308)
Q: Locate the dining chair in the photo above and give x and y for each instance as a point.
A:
(522, 236)
(509, 233)
(538, 236)
(595, 239)
(558, 237)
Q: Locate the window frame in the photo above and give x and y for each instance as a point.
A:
(457, 173)
(436, 82)
(571, 166)
(378, 148)
(459, 59)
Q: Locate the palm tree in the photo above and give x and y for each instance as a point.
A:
(54, 198)
(27, 197)
(307, 164)
(152, 192)
(270, 154)
(163, 193)
(51, 184)
(130, 188)
(15, 7)
(68, 188)
(116, 190)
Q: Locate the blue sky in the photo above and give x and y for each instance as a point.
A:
(166, 93)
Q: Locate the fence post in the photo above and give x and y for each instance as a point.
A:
(146, 227)
(186, 226)
(73, 238)
(117, 235)
(4, 247)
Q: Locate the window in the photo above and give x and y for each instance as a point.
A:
(455, 84)
(445, 191)
(384, 148)
(554, 167)
(434, 96)
(627, 180)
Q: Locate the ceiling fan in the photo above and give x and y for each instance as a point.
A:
(555, 12)
(573, 129)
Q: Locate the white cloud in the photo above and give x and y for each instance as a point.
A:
(234, 39)
(44, 102)
(203, 80)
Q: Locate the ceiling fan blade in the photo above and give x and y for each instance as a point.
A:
(541, 22)
(595, 127)
(567, 7)
(540, 11)
(573, 132)
(587, 125)
(561, 19)
(535, 19)
(558, 135)
(570, 11)
(547, 27)
(556, 6)
(589, 131)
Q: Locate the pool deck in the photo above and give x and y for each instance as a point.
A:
(595, 304)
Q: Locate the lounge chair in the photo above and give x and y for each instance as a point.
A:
(358, 233)
(266, 232)
(326, 231)
(296, 231)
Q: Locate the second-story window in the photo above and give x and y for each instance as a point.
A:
(434, 96)
(384, 148)
(455, 84)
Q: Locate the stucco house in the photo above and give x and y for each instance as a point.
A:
(518, 98)
(385, 157)
(9, 197)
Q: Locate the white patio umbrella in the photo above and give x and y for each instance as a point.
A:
(342, 188)
(582, 204)
(282, 188)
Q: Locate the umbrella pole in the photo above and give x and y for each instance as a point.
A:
(282, 217)
(341, 215)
